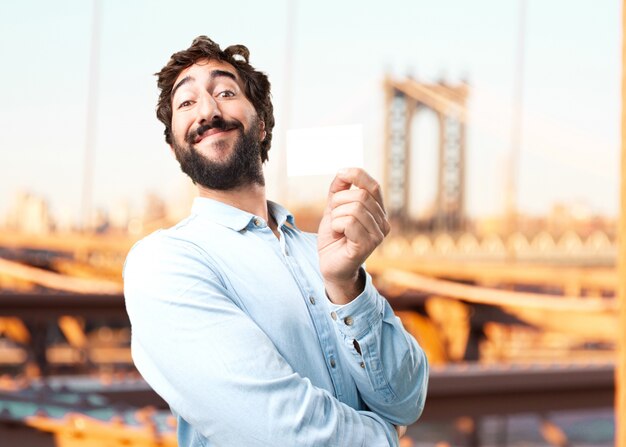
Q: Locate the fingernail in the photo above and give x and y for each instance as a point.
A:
(342, 171)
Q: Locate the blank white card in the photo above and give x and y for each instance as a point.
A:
(324, 150)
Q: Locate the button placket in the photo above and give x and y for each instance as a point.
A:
(319, 316)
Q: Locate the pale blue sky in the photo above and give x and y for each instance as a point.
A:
(341, 51)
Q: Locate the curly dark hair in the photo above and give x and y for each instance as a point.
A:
(255, 83)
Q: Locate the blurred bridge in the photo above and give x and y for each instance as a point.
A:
(404, 99)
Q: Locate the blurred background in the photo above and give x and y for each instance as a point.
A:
(494, 128)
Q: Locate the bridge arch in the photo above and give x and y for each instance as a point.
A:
(403, 99)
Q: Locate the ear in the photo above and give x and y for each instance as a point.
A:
(172, 150)
(262, 132)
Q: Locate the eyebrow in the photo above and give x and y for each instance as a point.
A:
(214, 74)
(182, 82)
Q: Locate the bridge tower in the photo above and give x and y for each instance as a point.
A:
(404, 98)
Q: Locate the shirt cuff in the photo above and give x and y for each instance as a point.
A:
(361, 314)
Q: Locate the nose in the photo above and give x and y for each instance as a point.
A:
(208, 109)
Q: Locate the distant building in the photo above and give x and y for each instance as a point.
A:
(120, 214)
(30, 214)
(154, 209)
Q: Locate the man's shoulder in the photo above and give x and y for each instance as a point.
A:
(167, 244)
(166, 237)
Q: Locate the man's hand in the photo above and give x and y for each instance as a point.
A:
(354, 224)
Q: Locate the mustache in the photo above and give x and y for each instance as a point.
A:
(216, 123)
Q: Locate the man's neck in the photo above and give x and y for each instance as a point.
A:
(249, 198)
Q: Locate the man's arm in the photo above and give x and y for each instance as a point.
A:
(388, 366)
(217, 369)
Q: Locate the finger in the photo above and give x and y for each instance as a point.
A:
(361, 213)
(355, 232)
(359, 196)
(359, 178)
(362, 196)
(350, 227)
(338, 184)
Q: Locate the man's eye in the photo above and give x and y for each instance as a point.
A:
(184, 104)
(226, 94)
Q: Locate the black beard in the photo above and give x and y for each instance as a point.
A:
(243, 166)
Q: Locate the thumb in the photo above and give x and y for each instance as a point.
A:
(338, 183)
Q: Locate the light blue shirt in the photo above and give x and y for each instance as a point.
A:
(232, 327)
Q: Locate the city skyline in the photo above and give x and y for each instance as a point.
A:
(32, 214)
(570, 135)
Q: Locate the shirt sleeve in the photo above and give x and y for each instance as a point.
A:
(217, 369)
(389, 367)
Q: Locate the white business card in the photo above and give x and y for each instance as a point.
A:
(324, 150)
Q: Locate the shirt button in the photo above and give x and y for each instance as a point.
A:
(332, 362)
(348, 321)
(333, 315)
(312, 300)
(362, 364)
(257, 222)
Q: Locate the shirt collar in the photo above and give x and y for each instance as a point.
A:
(281, 214)
(234, 218)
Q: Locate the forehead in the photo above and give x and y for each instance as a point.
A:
(202, 69)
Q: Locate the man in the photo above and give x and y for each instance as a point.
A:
(255, 333)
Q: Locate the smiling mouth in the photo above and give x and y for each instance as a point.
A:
(213, 131)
